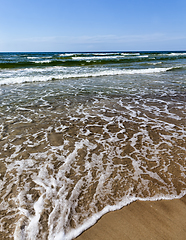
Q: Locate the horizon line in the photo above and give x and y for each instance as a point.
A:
(109, 51)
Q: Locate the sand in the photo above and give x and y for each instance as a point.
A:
(165, 219)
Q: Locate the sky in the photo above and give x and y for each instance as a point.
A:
(92, 25)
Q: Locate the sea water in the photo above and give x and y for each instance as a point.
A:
(82, 134)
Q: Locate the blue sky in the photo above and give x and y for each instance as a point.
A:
(92, 25)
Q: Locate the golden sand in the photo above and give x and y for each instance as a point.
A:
(165, 219)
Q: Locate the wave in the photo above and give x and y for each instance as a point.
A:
(130, 54)
(174, 54)
(38, 57)
(96, 57)
(84, 59)
(177, 68)
(151, 63)
(42, 61)
(32, 57)
(118, 57)
(75, 61)
(66, 54)
(54, 76)
(170, 56)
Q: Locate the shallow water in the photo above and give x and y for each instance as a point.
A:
(78, 146)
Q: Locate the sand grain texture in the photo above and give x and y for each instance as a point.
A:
(147, 220)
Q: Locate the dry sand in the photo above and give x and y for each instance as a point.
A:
(165, 219)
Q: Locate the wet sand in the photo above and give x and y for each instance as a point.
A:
(165, 219)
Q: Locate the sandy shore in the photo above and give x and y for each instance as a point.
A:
(165, 219)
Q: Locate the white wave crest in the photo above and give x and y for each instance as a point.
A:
(97, 57)
(114, 72)
(42, 61)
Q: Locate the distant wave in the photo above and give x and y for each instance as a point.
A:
(42, 61)
(84, 59)
(100, 57)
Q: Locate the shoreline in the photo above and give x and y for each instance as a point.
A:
(142, 220)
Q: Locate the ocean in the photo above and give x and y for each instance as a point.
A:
(82, 134)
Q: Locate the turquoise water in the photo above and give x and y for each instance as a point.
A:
(82, 134)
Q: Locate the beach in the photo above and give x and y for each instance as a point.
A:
(142, 220)
(85, 134)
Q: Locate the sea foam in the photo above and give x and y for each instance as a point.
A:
(23, 77)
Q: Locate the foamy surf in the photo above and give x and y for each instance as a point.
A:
(59, 73)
